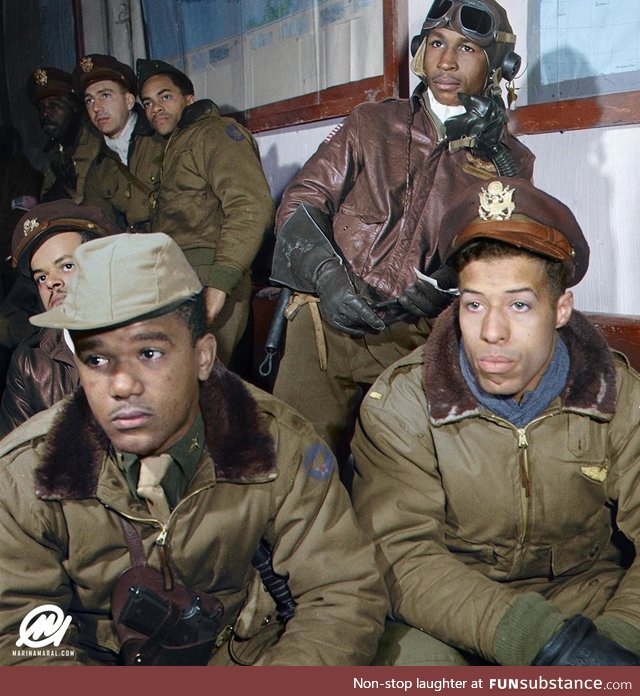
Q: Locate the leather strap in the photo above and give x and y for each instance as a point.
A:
(134, 543)
(128, 174)
(137, 554)
(298, 300)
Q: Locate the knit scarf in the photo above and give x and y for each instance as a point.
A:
(533, 403)
(443, 111)
(120, 144)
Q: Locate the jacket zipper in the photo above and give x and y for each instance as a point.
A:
(523, 466)
(166, 149)
(525, 481)
(161, 540)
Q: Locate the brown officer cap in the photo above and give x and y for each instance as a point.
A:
(46, 219)
(48, 82)
(512, 210)
(96, 66)
(148, 68)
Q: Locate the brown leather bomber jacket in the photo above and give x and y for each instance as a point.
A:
(385, 178)
(42, 372)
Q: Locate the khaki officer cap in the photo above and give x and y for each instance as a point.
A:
(121, 279)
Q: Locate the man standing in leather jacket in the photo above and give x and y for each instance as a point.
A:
(42, 370)
(357, 227)
(214, 200)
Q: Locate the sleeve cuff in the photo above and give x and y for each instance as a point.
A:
(619, 631)
(224, 278)
(525, 628)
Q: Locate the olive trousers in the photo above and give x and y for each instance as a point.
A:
(330, 397)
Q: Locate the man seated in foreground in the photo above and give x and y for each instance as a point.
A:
(497, 467)
(83, 496)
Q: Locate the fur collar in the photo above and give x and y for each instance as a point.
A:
(198, 110)
(235, 436)
(591, 384)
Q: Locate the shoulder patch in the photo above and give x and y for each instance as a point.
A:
(319, 461)
(234, 132)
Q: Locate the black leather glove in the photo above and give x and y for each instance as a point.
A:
(340, 304)
(578, 642)
(305, 259)
(423, 299)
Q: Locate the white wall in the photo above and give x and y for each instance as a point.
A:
(593, 171)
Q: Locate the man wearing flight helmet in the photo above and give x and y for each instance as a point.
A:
(357, 227)
(482, 124)
(484, 22)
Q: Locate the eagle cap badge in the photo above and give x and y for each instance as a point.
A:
(86, 64)
(496, 202)
(29, 226)
(41, 77)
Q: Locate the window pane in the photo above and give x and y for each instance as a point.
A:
(248, 53)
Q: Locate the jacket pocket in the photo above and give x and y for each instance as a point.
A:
(586, 439)
(573, 556)
(471, 552)
(356, 235)
(257, 626)
(108, 190)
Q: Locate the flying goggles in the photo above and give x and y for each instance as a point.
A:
(474, 19)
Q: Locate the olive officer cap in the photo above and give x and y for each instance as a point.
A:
(46, 219)
(121, 279)
(513, 211)
(96, 66)
(148, 68)
(48, 82)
